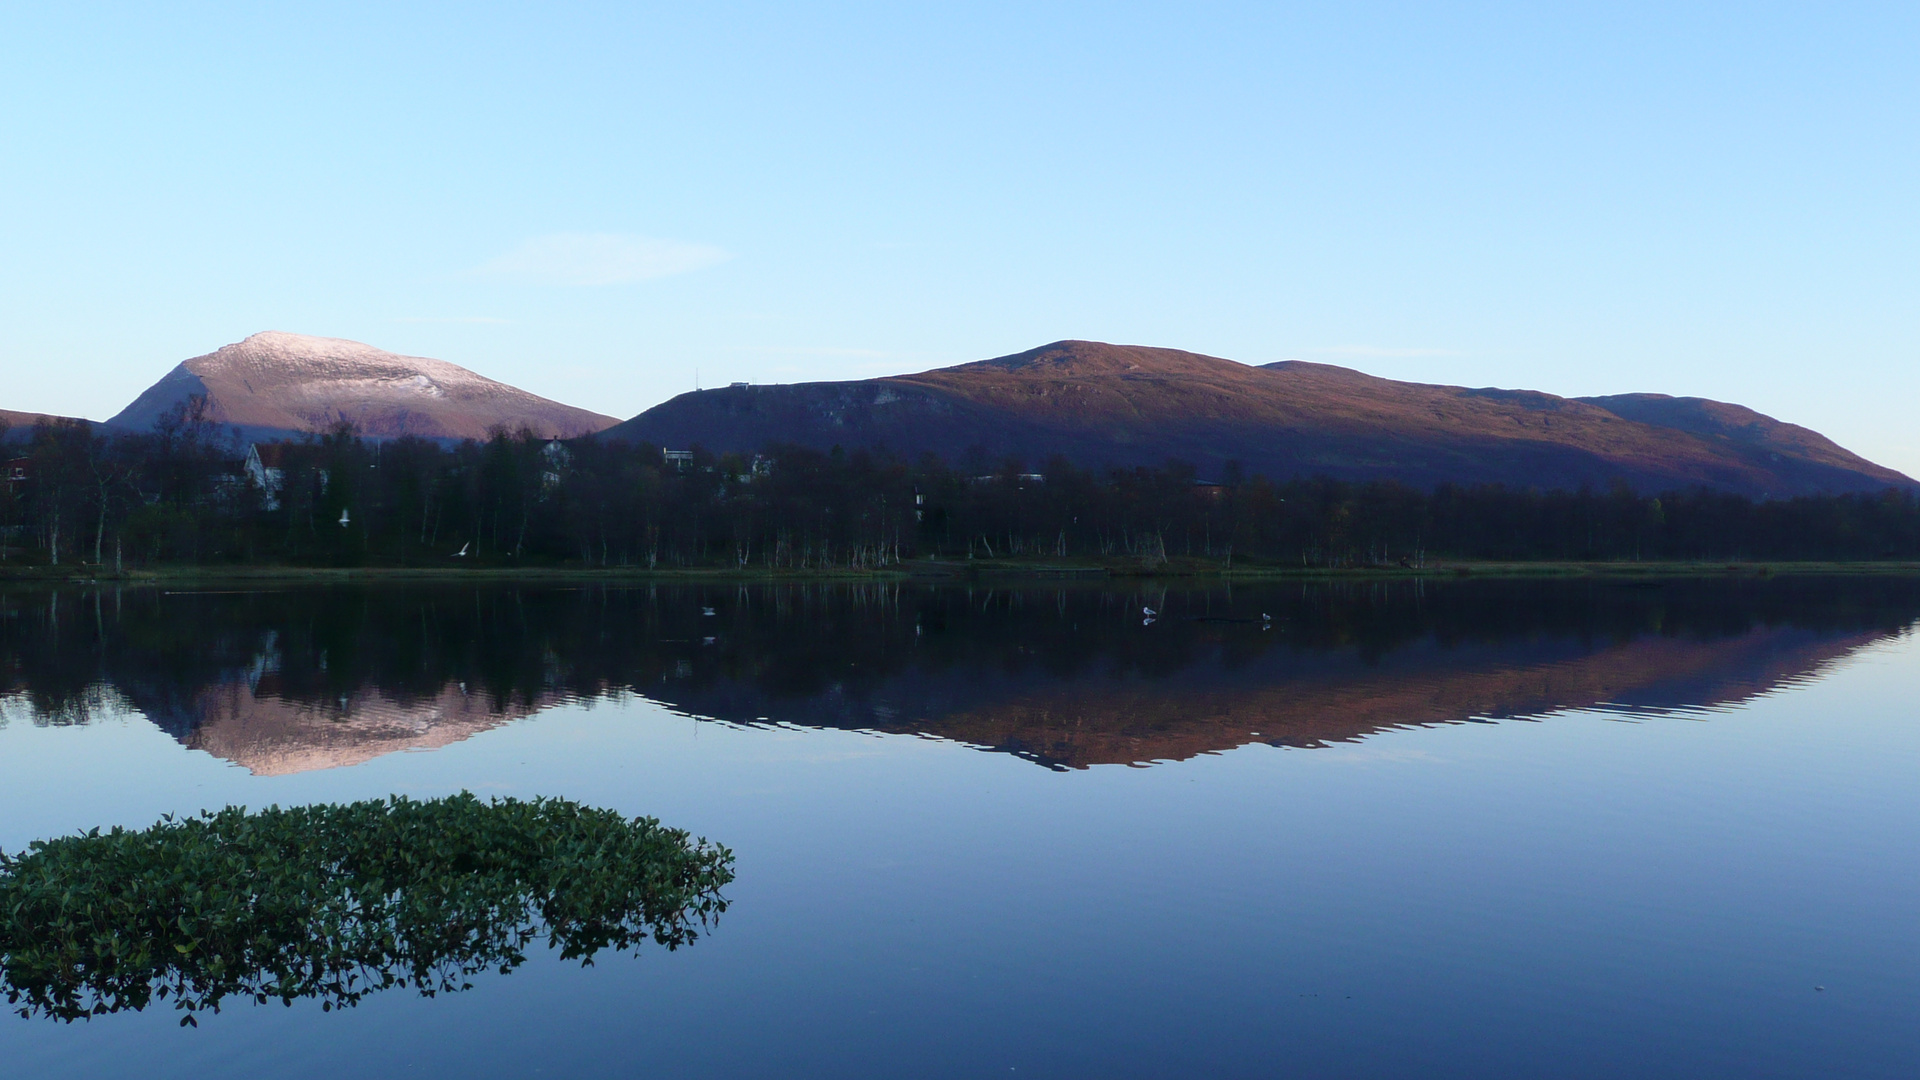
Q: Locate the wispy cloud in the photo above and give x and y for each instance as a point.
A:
(1381, 350)
(810, 350)
(600, 259)
(448, 319)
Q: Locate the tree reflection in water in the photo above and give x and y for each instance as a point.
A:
(336, 902)
(288, 679)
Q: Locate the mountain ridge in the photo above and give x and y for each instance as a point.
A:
(17, 421)
(1102, 405)
(1096, 404)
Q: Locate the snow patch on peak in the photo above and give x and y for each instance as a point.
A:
(373, 389)
(282, 346)
(277, 380)
(281, 357)
(291, 342)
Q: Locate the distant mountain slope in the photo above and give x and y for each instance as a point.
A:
(1102, 405)
(21, 421)
(1754, 434)
(275, 384)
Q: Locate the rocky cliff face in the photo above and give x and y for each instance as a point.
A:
(276, 384)
(1102, 405)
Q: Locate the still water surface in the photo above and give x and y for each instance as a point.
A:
(1453, 828)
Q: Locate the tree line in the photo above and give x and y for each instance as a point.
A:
(180, 495)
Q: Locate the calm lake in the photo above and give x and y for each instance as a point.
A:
(1402, 829)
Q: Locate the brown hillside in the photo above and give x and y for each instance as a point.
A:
(19, 422)
(1104, 405)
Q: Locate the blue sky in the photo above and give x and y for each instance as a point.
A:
(596, 202)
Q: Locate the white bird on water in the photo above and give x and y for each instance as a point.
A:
(1148, 612)
(343, 519)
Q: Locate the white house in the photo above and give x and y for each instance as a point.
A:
(266, 469)
(558, 458)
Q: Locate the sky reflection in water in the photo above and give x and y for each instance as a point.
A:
(1393, 893)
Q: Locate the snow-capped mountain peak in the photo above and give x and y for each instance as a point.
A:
(279, 382)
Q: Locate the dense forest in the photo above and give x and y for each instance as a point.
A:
(189, 493)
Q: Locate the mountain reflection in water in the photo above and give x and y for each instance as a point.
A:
(295, 679)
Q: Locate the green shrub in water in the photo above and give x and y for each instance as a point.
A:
(339, 901)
